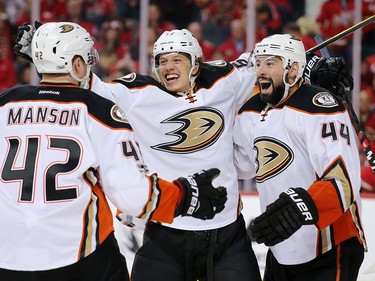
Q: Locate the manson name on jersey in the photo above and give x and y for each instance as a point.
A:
(43, 115)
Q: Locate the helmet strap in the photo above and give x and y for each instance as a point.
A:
(191, 76)
(84, 81)
(287, 85)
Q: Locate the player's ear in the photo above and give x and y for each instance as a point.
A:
(195, 69)
(292, 74)
(78, 66)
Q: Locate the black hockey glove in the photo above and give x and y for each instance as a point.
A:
(199, 198)
(330, 73)
(25, 33)
(284, 217)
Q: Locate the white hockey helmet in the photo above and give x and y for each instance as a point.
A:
(55, 44)
(287, 46)
(176, 41)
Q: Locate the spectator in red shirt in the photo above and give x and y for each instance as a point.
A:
(157, 20)
(235, 45)
(293, 28)
(112, 50)
(208, 48)
(5, 27)
(100, 11)
(77, 13)
(269, 16)
(52, 10)
(368, 76)
(336, 16)
(366, 108)
(217, 17)
(8, 76)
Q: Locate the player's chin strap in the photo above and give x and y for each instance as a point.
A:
(84, 81)
(287, 85)
(286, 90)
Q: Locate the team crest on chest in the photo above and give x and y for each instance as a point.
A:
(324, 99)
(198, 129)
(272, 157)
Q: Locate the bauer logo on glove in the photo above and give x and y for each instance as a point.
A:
(199, 198)
(293, 209)
(301, 205)
(194, 203)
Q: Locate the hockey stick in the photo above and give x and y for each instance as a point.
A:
(365, 144)
(341, 34)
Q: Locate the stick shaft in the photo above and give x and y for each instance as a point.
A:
(341, 34)
(365, 144)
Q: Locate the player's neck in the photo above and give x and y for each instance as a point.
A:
(59, 78)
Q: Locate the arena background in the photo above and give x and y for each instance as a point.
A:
(311, 10)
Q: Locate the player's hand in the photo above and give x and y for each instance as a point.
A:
(199, 198)
(284, 217)
(25, 33)
(330, 73)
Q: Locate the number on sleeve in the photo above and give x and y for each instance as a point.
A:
(329, 131)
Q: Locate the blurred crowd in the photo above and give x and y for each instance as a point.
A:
(219, 26)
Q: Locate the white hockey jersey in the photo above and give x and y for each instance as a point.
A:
(307, 141)
(184, 134)
(55, 143)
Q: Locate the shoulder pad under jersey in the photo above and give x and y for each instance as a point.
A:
(211, 72)
(135, 80)
(313, 99)
(253, 104)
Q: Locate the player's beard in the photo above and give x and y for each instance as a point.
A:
(275, 96)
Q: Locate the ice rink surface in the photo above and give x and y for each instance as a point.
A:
(130, 239)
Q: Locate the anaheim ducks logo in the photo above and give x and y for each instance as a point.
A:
(65, 28)
(273, 157)
(118, 114)
(201, 127)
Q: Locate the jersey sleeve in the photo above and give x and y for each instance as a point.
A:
(124, 178)
(332, 146)
(100, 88)
(244, 80)
(243, 151)
(115, 92)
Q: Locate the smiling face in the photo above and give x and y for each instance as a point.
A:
(270, 72)
(173, 71)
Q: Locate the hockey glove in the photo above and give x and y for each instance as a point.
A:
(25, 33)
(330, 73)
(199, 198)
(284, 217)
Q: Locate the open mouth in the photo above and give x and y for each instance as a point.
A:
(171, 77)
(264, 85)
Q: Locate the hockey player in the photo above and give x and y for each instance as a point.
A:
(57, 143)
(298, 142)
(184, 120)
